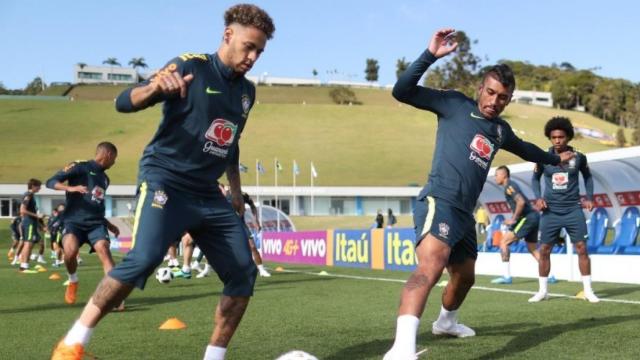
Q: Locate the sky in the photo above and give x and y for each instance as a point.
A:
(46, 38)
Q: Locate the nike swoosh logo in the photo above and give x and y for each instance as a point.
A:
(212, 91)
(477, 117)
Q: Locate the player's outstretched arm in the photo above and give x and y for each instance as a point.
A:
(588, 182)
(165, 84)
(408, 91)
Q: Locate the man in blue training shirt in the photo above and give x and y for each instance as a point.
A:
(30, 223)
(85, 184)
(560, 205)
(468, 137)
(207, 101)
(523, 224)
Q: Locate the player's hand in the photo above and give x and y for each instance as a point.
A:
(78, 188)
(114, 229)
(238, 205)
(541, 204)
(509, 222)
(171, 83)
(566, 156)
(588, 204)
(441, 45)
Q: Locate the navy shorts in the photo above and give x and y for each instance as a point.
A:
(15, 235)
(164, 214)
(527, 227)
(90, 234)
(30, 231)
(449, 224)
(551, 223)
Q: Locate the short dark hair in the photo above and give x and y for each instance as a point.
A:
(33, 183)
(506, 169)
(502, 73)
(108, 147)
(559, 123)
(250, 15)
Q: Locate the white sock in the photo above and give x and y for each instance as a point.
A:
(186, 268)
(543, 284)
(24, 265)
(78, 334)
(506, 269)
(261, 267)
(586, 282)
(214, 353)
(406, 332)
(447, 318)
(73, 278)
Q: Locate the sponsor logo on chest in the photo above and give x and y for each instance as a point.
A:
(481, 150)
(560, 180)
(97, 194)
(219, 136)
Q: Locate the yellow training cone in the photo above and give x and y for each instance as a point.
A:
(279, 268)
(54, 276)
(580, 295)
(173, 324)
(41, 269)
(323, 273)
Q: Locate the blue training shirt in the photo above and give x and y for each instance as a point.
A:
(198, 135)
(511, 192)
(561, 183)
(466, 142)
(83, 209)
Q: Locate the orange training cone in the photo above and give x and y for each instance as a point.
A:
(279, 268)
(54, 276)
(173, 324)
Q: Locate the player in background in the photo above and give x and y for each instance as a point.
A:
(30, 223)
(561, 206)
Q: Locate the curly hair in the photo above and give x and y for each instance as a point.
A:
(250, 15)
(559, 123)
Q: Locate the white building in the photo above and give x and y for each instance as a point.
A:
(540, 98)
(104, 74)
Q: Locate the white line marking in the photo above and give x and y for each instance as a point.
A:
(475, 287)
(423, 351)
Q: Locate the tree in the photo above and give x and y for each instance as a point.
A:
(81, 65)
(35, 86)
(620, 139)
(111, 62)
(138, 62)
(314, 72)
(371, 70)
(461, 71)
(3, 90)
(344, 96)
(401, 66)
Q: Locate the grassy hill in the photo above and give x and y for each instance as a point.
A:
(378, 143)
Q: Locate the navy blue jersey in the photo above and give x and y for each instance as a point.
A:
(55, 224)
(198, 135)
(86, 209)
(561, 183)
(29, 201)
(15, 224)
(511, 192)
(466, 142)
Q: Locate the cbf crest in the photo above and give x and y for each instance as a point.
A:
(443, 228)
(159, 199)
(246, 105)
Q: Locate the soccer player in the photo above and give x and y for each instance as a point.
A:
(85, 184)
(207, 101)
(560, 205)
(468, 137)
(55, 229)
(16, 239)
(522, 225)
(30, 223)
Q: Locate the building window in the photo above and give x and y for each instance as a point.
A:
(5, 207)
(89, 75)
(540, 99)
(119, 77)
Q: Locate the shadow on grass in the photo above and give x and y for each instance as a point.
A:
(531, 338)
(624, 290)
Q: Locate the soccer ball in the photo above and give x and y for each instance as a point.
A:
(164, 275)
(297, 355)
